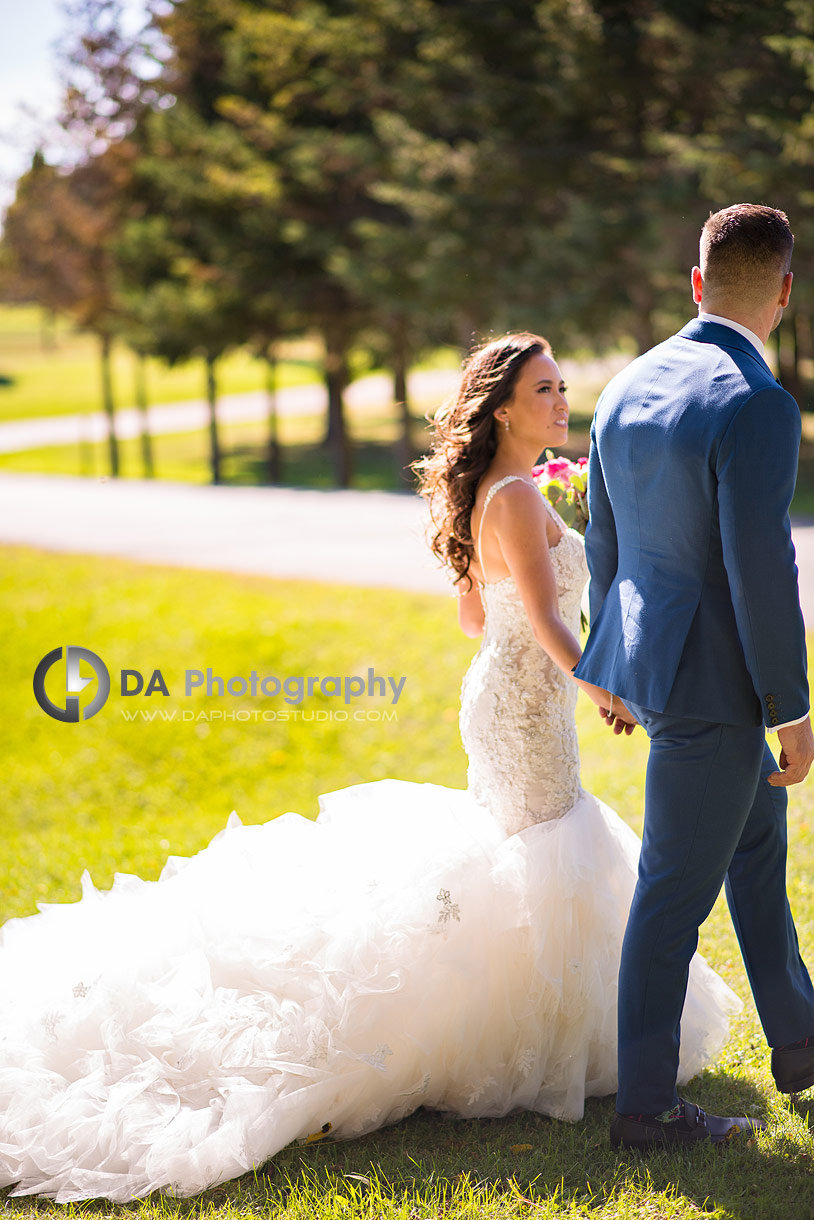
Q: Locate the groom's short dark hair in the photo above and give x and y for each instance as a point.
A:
(745, 248)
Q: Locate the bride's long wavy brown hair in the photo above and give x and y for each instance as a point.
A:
(465, 441)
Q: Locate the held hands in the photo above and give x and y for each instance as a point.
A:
(611, 708)
(617, 717)
(796, 755)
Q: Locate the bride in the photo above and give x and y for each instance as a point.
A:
(415, 946)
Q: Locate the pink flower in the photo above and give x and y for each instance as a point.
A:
(564, 484)
(557, 467)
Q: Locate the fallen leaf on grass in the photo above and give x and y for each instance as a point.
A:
(317, 1135)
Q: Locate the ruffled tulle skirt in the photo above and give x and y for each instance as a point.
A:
(397, 952)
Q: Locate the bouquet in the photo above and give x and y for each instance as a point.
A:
(565, 485)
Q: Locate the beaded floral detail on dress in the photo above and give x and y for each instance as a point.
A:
(517, 706)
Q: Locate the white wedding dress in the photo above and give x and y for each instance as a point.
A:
(416, 945)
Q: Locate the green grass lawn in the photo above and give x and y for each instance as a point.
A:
(184, 456)
(57, 373)
(111, 795)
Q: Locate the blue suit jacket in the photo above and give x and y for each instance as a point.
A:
(695, 607)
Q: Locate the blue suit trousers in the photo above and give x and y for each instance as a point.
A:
(710, 818)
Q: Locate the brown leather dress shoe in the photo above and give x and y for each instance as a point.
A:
(793, 1066)
(692, 1126)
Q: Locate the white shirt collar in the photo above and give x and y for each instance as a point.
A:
(742, 330)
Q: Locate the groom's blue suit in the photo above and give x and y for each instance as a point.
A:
(696, 625)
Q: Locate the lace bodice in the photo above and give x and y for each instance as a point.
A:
(517, 706)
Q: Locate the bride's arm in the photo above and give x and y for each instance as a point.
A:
(471, 616)
(519, 522)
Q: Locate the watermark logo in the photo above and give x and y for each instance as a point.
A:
(294, 689)
(74, 683)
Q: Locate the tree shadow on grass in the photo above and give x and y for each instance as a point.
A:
(375, 467)
(767, 1178)
(803, 1107)
(441, 1160)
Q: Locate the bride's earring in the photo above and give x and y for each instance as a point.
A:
(506, 425)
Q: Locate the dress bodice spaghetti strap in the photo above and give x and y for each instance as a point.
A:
(509, 478)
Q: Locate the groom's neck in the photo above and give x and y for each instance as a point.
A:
(759, 321)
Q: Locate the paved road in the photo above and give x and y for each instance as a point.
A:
(370, 538)
(357, 537)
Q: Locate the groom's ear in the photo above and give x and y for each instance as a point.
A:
(786, 293)
(697, 285)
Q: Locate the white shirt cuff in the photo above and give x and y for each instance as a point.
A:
(776, 727)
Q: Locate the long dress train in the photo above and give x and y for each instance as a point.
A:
(415, 945)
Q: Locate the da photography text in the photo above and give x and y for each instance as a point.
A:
(293, 688)
(62, 700)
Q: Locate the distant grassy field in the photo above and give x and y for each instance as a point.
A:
(56, 371)
(65, 380)
(184, 457)
(111, 795)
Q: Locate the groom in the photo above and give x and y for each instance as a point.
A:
(696, 625)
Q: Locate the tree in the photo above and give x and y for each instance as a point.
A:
(180, 298)
(304, 84)
(754, 140)
(57, 240)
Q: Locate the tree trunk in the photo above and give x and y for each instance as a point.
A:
(87, 450)
(641, 298)
(800, 333)
(404, 443)
(336, 436)
(275, 460)
(141, 403)
(788, 361)
(107, 402)
(468, 329)
(48, 329)
(212, 403)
